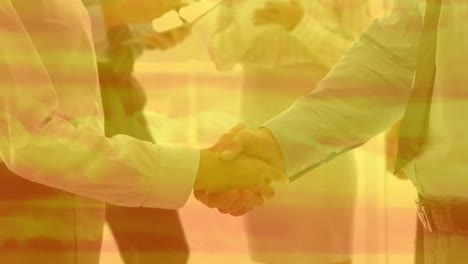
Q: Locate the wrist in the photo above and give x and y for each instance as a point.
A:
(276, 154)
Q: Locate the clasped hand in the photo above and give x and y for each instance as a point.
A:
(235, 175)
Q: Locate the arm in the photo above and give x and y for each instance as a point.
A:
(363, 95)
(51, 127)
(51, 122)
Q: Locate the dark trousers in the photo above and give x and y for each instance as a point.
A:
(143, 235)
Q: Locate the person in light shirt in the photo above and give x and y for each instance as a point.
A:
(151, 235)
(58, 168)
(284, 48)
(415, 59)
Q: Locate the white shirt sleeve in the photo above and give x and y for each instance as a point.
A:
(365, 93)
(51, 117)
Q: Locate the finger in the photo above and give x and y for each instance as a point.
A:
(231, 150)
(226, 138)
(265, 191)
(255, 200)
(241, 212)
(258, 199)
(224, 200)
(201, 196)
(237, 145)
(246, 199)
(222, 142)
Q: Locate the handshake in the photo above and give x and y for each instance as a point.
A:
(235, 175)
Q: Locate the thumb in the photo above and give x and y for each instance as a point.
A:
(245, 141)
(233, 143)
(226, 138)
(232, 149)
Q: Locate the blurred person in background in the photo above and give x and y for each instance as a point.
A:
(285, 47)
(150, 235)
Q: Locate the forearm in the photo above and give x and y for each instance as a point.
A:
(364, 94)
(120, 170)
(51, 120)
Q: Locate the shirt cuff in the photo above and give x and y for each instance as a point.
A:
(299, 150)
(178, 168)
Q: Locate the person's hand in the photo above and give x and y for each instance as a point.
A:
(239, 140)
(260, 144)
(243, 172)
(137, 11)
(285, 14)
(165, 40)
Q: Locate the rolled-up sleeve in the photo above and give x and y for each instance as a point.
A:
(365, 93)
(51, 117)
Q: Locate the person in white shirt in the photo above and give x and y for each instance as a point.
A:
(284, 48)
(375, 84)
(52, 135)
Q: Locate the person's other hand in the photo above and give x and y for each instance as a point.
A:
(165, 40)
(243, 172)
(286, 14)
(137, 11)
